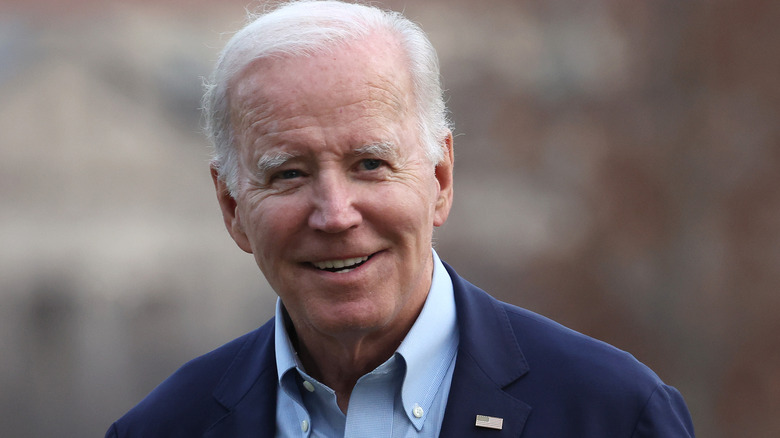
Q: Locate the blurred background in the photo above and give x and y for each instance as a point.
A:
(617, 169)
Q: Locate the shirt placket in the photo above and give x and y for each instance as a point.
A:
(371, 404)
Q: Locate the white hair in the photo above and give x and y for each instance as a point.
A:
(303, 28)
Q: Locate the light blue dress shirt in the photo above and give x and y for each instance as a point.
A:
(404, 397)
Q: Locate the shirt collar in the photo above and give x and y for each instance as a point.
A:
(430, 346)
(286, 357)
(427, 350)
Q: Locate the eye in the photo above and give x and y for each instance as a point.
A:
(289, 174)
(370, 164)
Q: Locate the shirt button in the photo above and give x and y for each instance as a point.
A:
(417, 411)
(304, 426)
(309, 387)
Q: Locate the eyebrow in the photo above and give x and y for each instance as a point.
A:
(271, 161)
(384, 150)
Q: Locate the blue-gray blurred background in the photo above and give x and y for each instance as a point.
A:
(617, 169)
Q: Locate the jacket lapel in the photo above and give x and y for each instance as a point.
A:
(489, 359)
(248, 390)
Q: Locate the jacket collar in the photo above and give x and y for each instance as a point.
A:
(489, 359)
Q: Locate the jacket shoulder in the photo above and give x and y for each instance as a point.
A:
(583, 375)
(553, 346)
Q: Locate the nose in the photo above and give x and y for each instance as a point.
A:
(334, 208)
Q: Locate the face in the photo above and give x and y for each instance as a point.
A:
(336, 199)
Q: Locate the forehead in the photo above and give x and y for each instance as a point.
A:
(369, 77)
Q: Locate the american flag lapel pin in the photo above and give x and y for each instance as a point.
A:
(490, 422)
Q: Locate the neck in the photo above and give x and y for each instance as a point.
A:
(339, 361)
(339, 365)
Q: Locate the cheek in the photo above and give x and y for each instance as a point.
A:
(406, 209)
(270, 225)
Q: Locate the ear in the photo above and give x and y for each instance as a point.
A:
(444, 177)
(229, 207)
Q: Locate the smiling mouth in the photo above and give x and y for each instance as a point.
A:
(340, 266)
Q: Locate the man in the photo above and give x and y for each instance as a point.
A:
(333, 165)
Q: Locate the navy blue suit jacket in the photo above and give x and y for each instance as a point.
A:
(543, 379)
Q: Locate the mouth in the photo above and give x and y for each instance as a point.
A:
(341, 266)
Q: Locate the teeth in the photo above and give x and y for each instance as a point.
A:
(339, 264)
